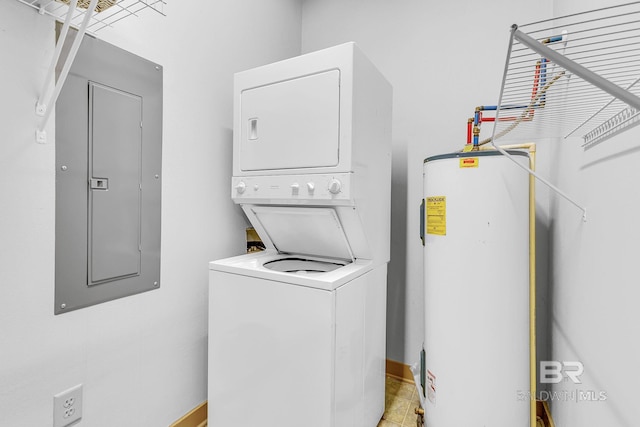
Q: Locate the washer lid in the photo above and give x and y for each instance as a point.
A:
(305, 231)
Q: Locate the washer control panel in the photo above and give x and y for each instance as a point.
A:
(289, 188)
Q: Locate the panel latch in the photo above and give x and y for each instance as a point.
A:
(99, 183)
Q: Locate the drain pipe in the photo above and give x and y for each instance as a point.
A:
(532, 273)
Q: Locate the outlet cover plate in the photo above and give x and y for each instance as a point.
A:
(67, 407)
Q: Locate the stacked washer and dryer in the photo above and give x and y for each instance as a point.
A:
(297, 332)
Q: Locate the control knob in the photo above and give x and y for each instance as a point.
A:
(335, 186)
(241, 187)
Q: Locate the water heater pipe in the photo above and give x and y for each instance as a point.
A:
(538, 100)
(532, 274)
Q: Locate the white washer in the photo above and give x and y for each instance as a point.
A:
(297, 332)
(296, 348)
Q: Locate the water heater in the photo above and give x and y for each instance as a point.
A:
(476, 278)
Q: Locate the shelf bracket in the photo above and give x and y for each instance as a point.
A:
(44, 105)
(549, 53)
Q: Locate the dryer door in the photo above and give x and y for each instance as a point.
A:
(305, 231)
(291, 124)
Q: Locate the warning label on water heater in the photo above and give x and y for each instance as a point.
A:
(469, 162)
(431, 387)
(436, 215)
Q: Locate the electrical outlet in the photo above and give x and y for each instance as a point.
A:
(67, 407)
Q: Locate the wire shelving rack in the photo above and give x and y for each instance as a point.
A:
(576, 75)
(108, 12)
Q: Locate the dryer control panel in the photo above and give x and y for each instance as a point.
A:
(292, 188)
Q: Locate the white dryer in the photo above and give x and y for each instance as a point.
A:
(297, 332)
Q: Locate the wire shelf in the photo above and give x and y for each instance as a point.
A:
(576, 75)
(108, 12)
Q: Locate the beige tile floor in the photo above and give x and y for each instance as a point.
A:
(401, 399)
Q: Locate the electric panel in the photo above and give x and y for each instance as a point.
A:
(108, 177)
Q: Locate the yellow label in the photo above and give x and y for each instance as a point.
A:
(436, 215)
(467, 148)
(469, 162)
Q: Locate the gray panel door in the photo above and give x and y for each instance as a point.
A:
(108, 177)
(115, 143)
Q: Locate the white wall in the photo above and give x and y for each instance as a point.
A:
(595, 318)
(142, 359)
(443, 59)
(595, 293)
